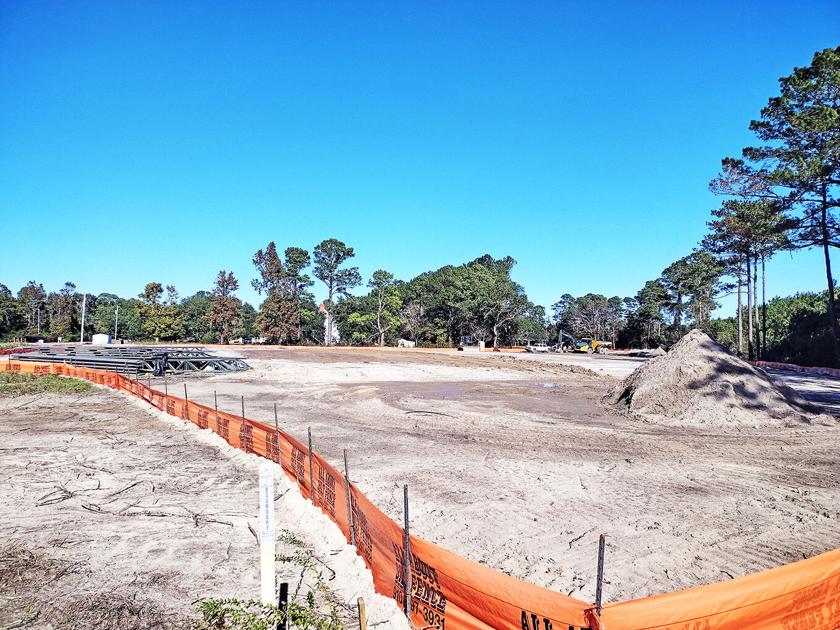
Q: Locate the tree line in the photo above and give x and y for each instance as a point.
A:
(779, 195)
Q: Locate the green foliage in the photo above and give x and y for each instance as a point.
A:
(329, 256)
(194, 323)
(281, 316)
(797, 330)
(532, 325)
(235, 614)
(797, 168)
(246, 327)
(592, 315)
(162, 320)
(17, 384)
(224, 308)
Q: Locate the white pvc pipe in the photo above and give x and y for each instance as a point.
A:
(267, 534)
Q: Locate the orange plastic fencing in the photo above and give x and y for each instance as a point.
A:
(447, 590)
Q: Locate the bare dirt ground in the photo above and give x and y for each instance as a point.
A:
(513, 462)
(113, 517)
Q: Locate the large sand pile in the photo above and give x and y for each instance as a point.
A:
(700, 382)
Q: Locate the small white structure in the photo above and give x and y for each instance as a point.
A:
(405, 343)
(100, 339)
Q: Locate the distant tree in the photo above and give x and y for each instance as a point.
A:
(531, 325)
(412, 319)
(9, 312)
(387, 302)
(285, 286)
(104, 316)
(647, 318)
(329, 256)
(224, 306)
(62, 309)
(32, 299)
(691, 284)
(161, 320)
(246, 322)
(743, 234)
(196, 326)
(491, 301)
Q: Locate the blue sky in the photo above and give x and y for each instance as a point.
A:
(157, 141)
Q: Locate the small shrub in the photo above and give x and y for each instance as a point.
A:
(235, 614)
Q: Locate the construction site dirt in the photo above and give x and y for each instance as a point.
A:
(513, 461)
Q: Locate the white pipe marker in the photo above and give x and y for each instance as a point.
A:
(267, 534)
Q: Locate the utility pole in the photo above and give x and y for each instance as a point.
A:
(84, 305)
(116, 320)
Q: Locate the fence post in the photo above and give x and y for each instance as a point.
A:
(349, 501)
(407, 578)
(216, 408)
(360, 606)
(600, 579)
(186, 404)
(311, 481)
(277, 428)
(283, 605)
(243, 409)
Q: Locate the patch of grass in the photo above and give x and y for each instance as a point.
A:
(235, 614)
(17, 384)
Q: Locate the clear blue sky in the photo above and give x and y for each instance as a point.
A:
(163, 141)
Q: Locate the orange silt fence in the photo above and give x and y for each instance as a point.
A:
(446, 590)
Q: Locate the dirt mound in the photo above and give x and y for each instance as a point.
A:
(700, 382)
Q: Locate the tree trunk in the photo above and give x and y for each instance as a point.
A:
(763, 309)
(755, 308)
(678, 318)
(740, 311)
(750, 355)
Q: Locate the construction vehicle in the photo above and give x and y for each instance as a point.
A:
(593, 345)
(568, 343)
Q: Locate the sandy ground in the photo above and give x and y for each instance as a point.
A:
(513, 462)
(114, 515)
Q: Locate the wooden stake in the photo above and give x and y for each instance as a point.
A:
(360, 605)
(600, 579)
(349, 501)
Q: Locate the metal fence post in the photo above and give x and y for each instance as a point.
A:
(186, 404)
(349, 501)
(407, 578)
(600, 579)
(311, 480)
(283, 605)
(277, 429)
(216, 407)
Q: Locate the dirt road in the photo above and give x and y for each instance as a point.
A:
(512, 462)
